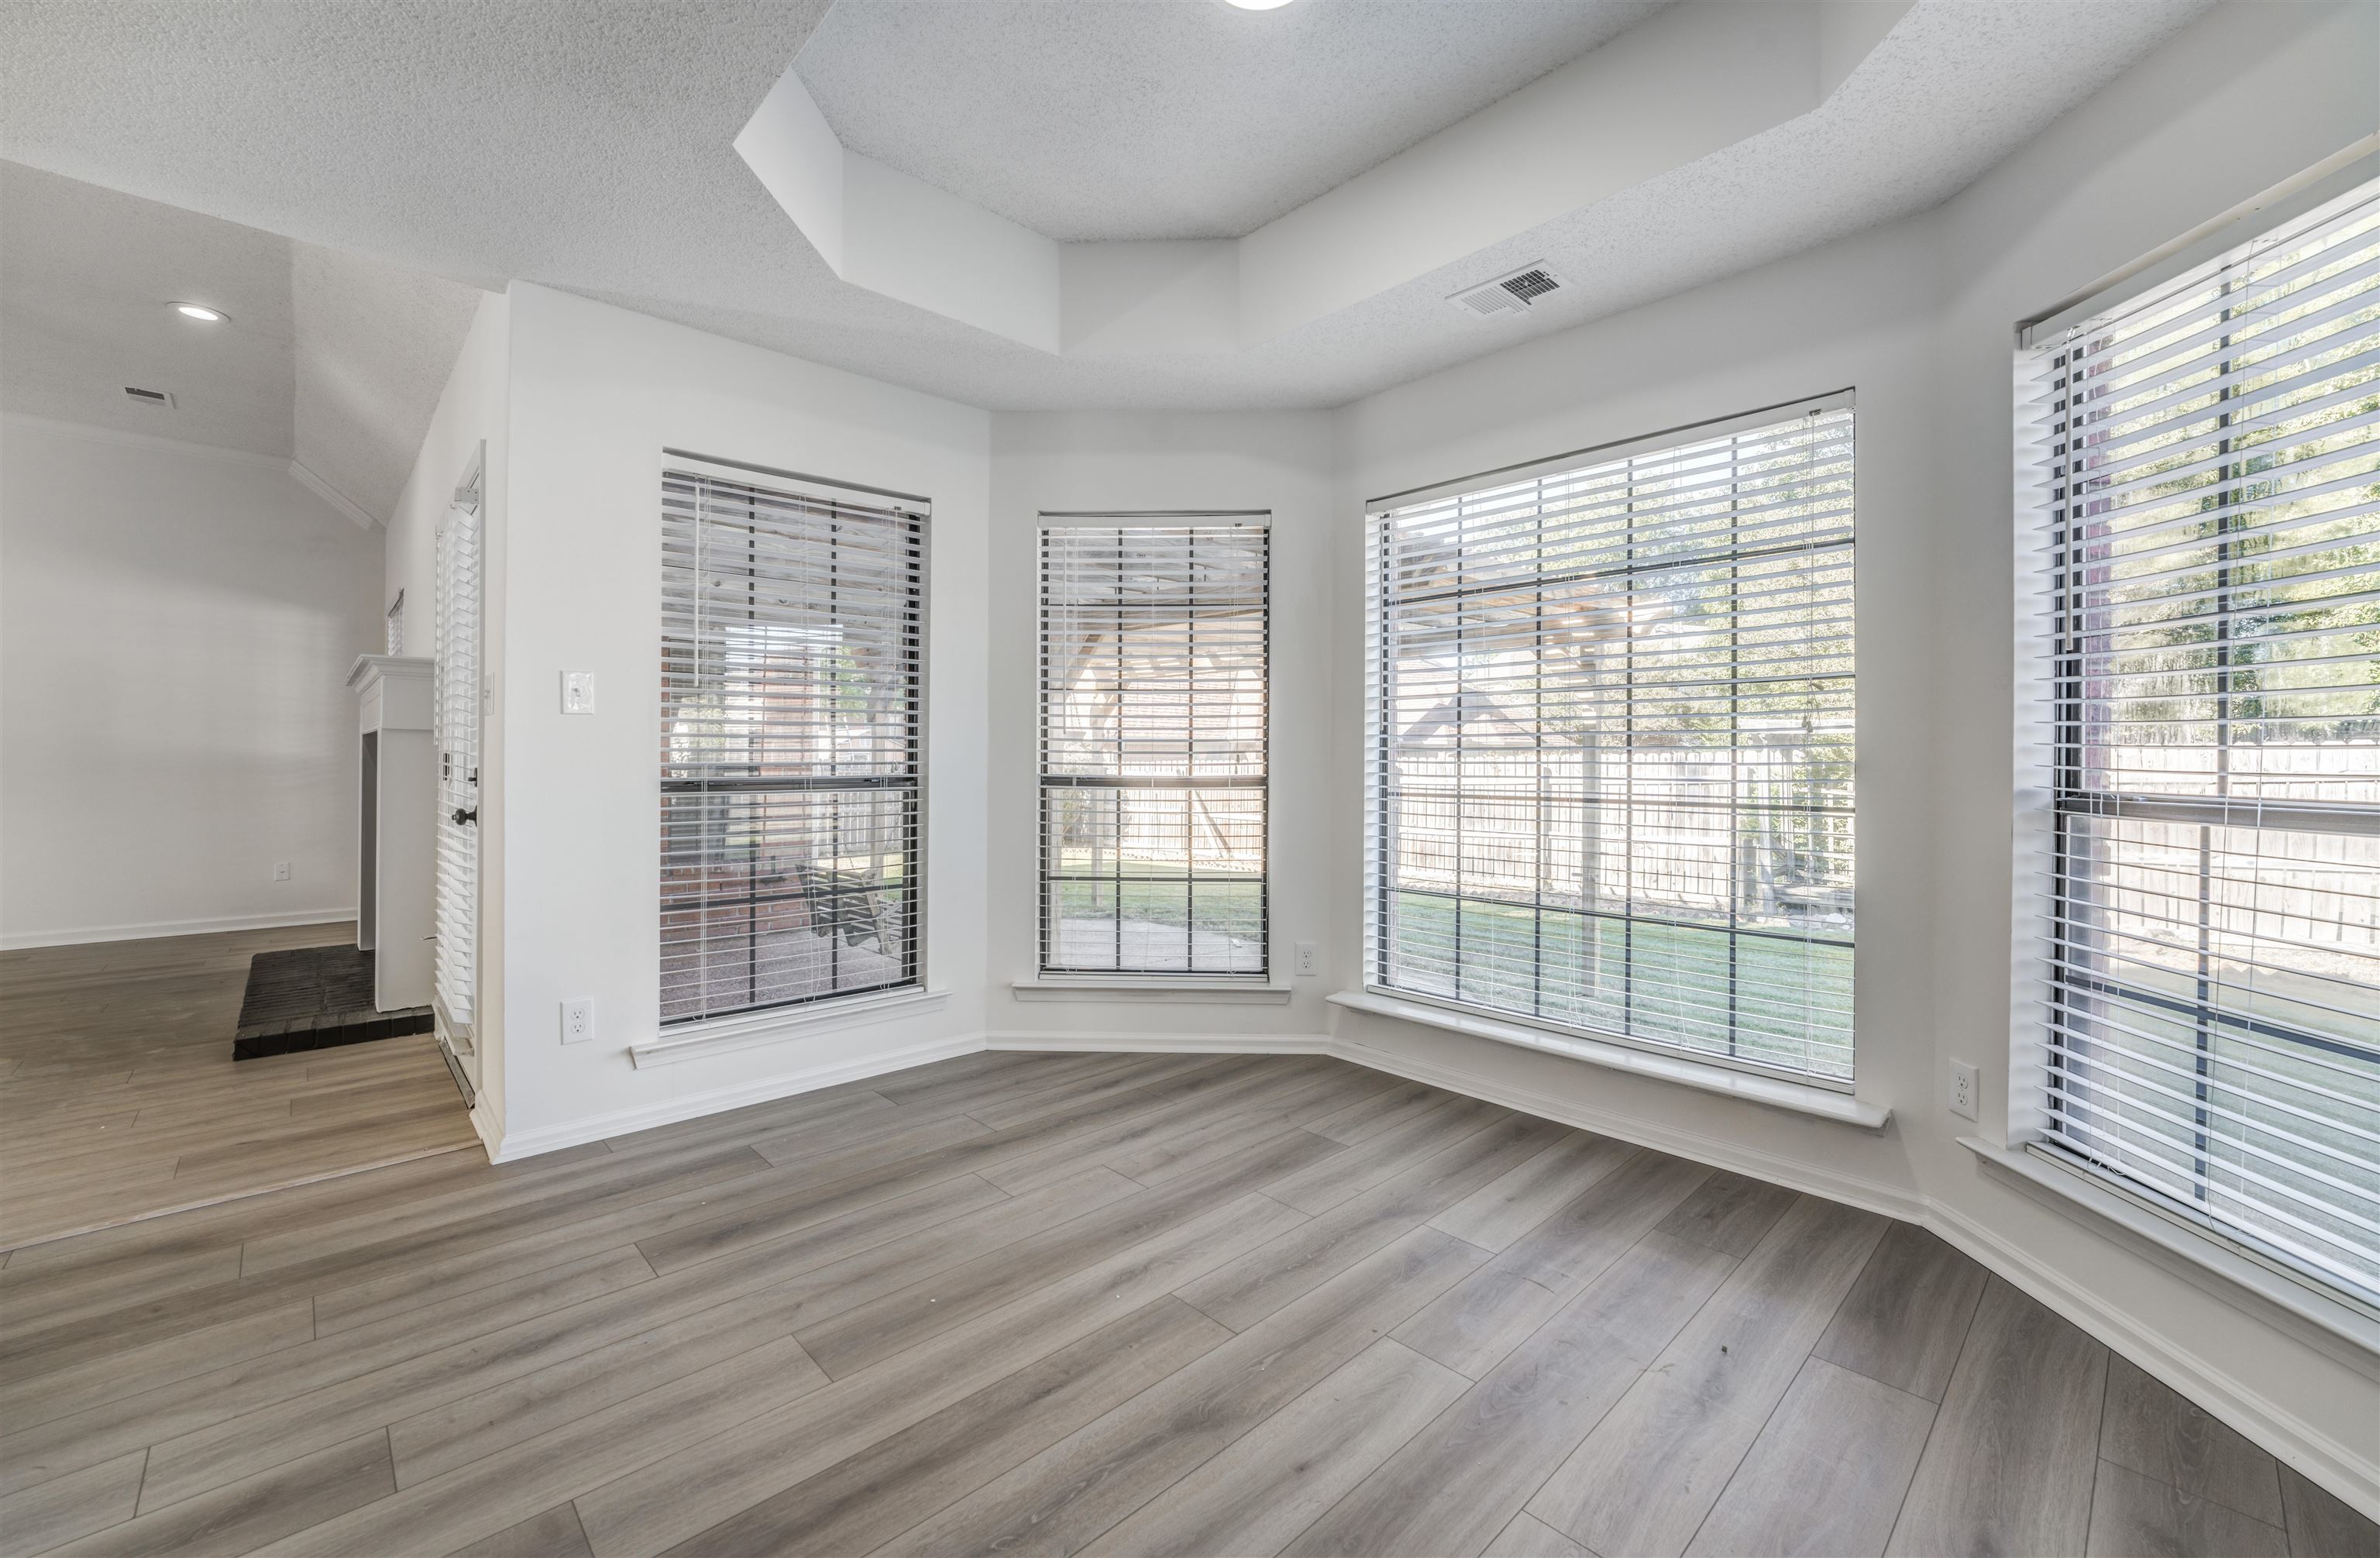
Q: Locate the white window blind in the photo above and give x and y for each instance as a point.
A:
(1611, 740)
(455, 688)
(1154, 643)
(2209, 478)
(792, 700)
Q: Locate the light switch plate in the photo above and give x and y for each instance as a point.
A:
(280, 870)
(577, 1021)
(578, 692)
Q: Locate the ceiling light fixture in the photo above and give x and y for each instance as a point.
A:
(202, 312)
(1259, 5)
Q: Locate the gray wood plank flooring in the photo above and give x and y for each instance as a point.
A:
(1105, 1304)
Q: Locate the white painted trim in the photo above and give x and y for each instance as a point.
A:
(2333, 1466)
(1168, 1043)
(305, 478)
(512, 1146)
(1222, 992)
(2205, 1260)
(1824, 1103)
(1870, 1195)
(146, 441)
(750, 1030)
(2352, 1477)
(84, 935)
(490, 1133)
(291, 466)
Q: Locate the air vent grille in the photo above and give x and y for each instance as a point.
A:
(1509, 294)
(139, 396)
(1530, 285)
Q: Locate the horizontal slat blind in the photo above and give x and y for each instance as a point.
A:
(792, 633)
(2213, 478)
(1612, 723)
(455, 696)
(1154, 644)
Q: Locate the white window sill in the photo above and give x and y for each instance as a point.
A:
(2204, 1258)
(1222, 990)
(1824, 1103)
(749, 1030)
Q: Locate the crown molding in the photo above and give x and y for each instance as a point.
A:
(124, 439)
(305, 478)
(297, 470)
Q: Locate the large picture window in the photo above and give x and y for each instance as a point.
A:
(792, 627)
(2209, 656)
(1611, 745)
(1154, 643)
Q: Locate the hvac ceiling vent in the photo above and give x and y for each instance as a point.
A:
(1507, 294)
(139, 396)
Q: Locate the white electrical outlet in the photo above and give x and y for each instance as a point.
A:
(1962, 1089)
(1309, 960)
(578, 692)
(577, 1021)
(280, 870)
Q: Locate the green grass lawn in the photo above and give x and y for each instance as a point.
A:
(1226, 902)
(1791, 1000)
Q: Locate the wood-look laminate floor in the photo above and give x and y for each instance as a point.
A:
(1091, 1303)
(119, 1099)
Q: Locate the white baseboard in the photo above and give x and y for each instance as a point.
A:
(1869, 1195)
(512, 1146)
(491, 1141)
(2283, 1434)
(154, 929)
(1168, 1043)
(2322, 1459)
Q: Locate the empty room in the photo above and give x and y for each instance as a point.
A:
(1425, 778)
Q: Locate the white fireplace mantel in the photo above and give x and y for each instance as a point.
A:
(397, 832)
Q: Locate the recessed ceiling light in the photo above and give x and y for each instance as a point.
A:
(200, 311)
(1259, 5)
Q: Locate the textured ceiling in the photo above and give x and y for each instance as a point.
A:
(587, 146)
(326, 359)
(85, 275)
(1153, 119)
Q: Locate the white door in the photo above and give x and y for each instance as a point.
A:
(457, 727)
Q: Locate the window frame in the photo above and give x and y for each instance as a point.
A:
(918, 510)
(1378, 868)
(2048, 792)
(1045, 971)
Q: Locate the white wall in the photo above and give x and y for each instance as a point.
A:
(1081, 461)
(471, 413)
(176, 627)
(1919, 317)
(596, 394)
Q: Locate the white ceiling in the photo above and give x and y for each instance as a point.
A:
(588, 147)
(1148, 119)
(85, 275)
(326, 359)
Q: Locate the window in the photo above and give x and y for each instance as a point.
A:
(1610, 745)
(2208, 653)
(1154, 642)
(792, 623)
